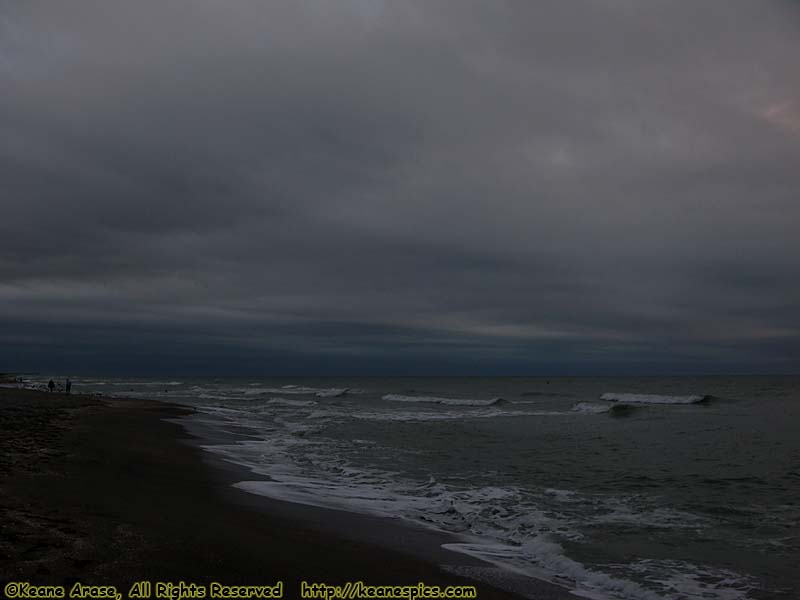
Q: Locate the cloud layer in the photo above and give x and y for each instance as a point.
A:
(370, 187)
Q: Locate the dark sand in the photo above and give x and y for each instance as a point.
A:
(108, 492)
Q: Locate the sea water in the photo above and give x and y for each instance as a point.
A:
(635, 488)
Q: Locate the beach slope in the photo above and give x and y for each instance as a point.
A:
(107, 491)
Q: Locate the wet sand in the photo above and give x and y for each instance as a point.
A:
(110, 492)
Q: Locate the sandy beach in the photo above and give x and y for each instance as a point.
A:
(111, 492)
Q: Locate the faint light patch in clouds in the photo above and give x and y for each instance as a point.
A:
(785, 115)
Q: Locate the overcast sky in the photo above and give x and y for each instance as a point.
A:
(358, 186)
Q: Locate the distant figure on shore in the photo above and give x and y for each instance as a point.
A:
(51, 385)
(68, 385)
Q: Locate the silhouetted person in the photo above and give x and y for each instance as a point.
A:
(68, 385)
(52, 385)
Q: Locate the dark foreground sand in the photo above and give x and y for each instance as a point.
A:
(109, 492)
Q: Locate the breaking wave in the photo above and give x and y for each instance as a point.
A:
(290, 402)
(653, 398)
(146, 383)
(445, 401)
(593, 408)
(454, 415)
(300, 390)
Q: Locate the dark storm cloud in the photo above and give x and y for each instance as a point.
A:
(420, 186)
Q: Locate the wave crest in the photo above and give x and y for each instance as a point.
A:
(592, 408)
(445, 401)
(653, 398)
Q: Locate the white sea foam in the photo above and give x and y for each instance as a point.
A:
(682, 579)
(332, 393)
(677, 580)
(498, 525)
(206, 396)
(502, 526)
(488, 413)
(561, 495)
(147, 383)
(444, 401)
(590, 408)
(595, 408)
(290, 402)
(520, 529)
(222, 410)
(294, 389)
(652, 398)
(541, 557)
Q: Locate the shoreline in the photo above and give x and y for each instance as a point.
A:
(112, 491)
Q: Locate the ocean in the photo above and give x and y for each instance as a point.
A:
(621, 488)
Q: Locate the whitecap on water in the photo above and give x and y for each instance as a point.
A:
(653, 398)
(444, 401)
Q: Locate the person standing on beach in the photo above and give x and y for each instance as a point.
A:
(51, 385)
(68, 385)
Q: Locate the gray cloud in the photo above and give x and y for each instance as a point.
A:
(400, 187)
